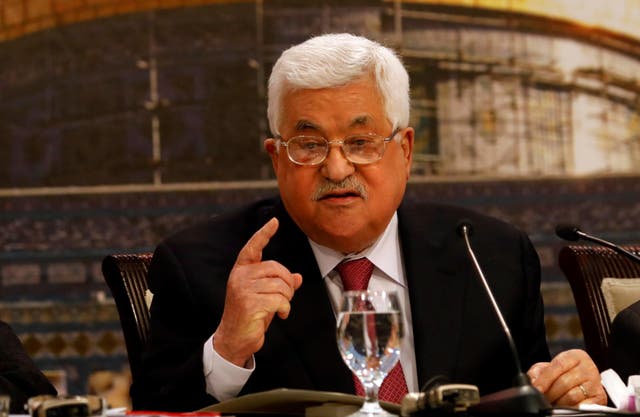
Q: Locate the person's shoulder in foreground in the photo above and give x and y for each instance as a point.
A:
(19, 376)
(624, 344)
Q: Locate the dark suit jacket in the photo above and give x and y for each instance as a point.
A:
(19, 376)
(624, 342)
(456, 332)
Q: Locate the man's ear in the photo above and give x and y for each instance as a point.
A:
(271, 146)
(407, 147)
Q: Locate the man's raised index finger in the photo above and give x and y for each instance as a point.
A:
(252, 250)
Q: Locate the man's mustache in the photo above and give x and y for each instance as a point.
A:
(349, 184)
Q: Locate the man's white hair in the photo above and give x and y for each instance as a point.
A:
(334, 60)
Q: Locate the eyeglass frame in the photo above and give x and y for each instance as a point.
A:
(385, 140)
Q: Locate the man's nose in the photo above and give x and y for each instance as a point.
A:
(336, 166)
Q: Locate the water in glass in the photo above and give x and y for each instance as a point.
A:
(369, 334)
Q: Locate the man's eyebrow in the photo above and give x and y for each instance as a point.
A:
(363, 120)
(358, 121)
(305, 124)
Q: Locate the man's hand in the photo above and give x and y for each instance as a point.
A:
(256, 290)
(570, 379)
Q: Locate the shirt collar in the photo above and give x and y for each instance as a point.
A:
(384, 253)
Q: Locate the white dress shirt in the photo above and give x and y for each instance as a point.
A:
(224, 380)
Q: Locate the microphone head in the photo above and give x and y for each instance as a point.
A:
(464, 227)
(568, 232)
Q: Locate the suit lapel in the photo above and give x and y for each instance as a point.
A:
(433, 256)
(311, 325)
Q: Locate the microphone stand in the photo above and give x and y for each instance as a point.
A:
(523, 399)
(573, 233)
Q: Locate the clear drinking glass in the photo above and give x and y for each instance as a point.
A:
(369, 334)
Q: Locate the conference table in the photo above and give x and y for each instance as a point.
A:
(306, 403)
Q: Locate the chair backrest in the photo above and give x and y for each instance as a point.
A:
(126, 276)
(585, 267)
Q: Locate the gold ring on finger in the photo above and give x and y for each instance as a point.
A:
(584, 391)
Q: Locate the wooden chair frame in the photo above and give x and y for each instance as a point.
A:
(126, 276)
(585, 267)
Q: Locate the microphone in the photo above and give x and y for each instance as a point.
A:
(523, 398)
(438, 397)
(573, 233)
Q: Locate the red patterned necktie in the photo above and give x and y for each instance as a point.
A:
(355, 276)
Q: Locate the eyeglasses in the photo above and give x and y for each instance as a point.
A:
(363, 148)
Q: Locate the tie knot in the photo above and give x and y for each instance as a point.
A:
(355, 274)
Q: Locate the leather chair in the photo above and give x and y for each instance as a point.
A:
(126, 276)
(585, 267)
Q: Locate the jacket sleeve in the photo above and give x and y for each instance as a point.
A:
(172, 377)
(532, 346)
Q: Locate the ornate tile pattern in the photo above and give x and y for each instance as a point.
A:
(78, 338)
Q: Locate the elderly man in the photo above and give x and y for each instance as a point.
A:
(246, 302)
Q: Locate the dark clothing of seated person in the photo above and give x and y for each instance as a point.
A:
(247, 301)
(19, 376)
(624, 342)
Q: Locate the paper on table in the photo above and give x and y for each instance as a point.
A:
(624, 397)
